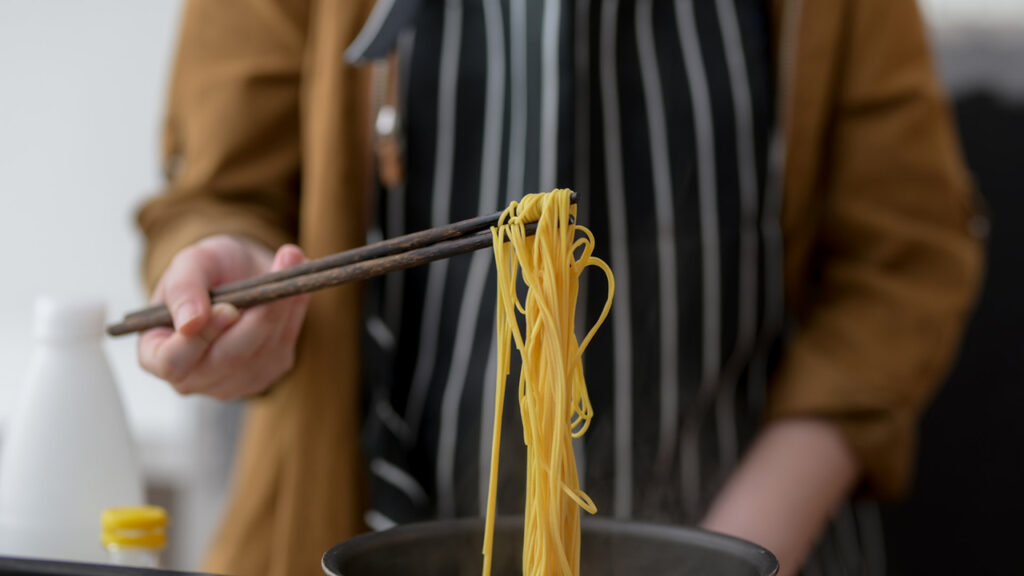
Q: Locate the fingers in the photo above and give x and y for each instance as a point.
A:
(258, 325)
(266, 360)
(263, 340)
(297, 305)
(173, 355)
(287, 256)
(296, 317)
(212, 261)
(233, 354)
(185, 288)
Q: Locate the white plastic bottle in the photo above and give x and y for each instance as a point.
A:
(67, 453)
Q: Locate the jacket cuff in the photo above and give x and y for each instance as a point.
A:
(885, 445)
(881, 433)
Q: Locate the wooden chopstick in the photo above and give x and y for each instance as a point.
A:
(361, 263)
(264, 292)
(381, 249)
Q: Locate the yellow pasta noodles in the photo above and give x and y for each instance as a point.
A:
(553, 397)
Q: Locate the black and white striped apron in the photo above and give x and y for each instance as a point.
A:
(659, 113)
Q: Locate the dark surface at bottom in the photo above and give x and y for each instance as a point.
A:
(34, 567)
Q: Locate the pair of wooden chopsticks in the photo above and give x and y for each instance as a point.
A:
(361, 263)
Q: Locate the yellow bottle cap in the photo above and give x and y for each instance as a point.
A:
(134, 527)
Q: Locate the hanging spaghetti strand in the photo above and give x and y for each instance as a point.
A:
(553, 397)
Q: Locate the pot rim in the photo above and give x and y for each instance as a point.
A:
(757, 556)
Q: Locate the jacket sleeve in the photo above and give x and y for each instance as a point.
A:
(895, 268)
(231, 135)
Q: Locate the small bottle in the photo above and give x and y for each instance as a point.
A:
(68, 454)
(134, 535)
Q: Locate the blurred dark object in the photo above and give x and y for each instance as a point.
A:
(965, 512)
(34, 567)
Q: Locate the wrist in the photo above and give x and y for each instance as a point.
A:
(786, 489)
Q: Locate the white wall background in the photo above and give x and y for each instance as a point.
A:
(968, 16)
(81, 95)
(81, 87)
(979, 45)
(81, 92)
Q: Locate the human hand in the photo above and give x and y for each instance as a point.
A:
(219, 351)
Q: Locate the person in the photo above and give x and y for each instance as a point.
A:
(776, 185)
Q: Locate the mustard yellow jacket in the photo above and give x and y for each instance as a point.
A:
(268, 135)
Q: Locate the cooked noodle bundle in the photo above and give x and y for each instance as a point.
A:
(553, 397)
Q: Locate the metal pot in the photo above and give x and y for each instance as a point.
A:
(610, 547)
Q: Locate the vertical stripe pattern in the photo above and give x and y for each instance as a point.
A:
(548, 145)
(489, 181)
(443, 167)
(621, 325)
(746, 306)
(519, 84)
(481, 264)
(634, 201)
(668, 299)
(709, 240)
(659, 113)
